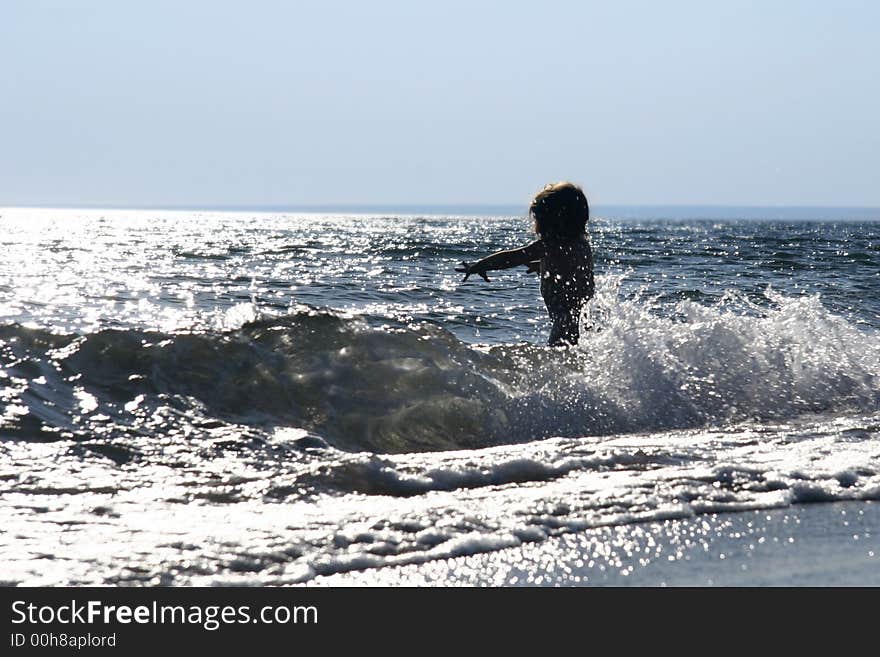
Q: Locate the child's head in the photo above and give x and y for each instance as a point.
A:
(560, 211)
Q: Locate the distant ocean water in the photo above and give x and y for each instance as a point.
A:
(264, 397)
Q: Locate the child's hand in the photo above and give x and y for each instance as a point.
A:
(534, 267)
(467, 269)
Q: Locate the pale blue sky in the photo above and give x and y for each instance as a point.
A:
(193, 102)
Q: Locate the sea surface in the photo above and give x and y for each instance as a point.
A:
(251, 397)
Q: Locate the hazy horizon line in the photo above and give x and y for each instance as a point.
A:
(391, 206)
(622, 210)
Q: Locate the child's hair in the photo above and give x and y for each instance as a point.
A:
(560, 211)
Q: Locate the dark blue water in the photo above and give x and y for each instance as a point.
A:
(302, 394)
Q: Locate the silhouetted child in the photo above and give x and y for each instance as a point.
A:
(562, 255)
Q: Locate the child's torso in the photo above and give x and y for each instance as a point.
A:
(566, 275)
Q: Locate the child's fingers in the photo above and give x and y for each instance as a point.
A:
(467, 271)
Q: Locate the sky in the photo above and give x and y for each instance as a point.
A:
(250, 103)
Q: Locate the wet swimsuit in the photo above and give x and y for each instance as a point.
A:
(566, 284)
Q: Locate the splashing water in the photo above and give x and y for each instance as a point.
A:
(315, 395)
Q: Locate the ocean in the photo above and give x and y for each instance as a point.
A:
(240, 397)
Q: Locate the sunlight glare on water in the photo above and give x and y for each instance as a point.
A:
(231, 397)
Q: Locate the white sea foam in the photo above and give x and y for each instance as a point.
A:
(257, 439)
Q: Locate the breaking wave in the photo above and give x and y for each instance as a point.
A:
(362, 385)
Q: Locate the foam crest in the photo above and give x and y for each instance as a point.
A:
(382, 388)
(734, 360)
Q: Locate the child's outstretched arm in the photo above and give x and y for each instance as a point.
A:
(503, 260)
